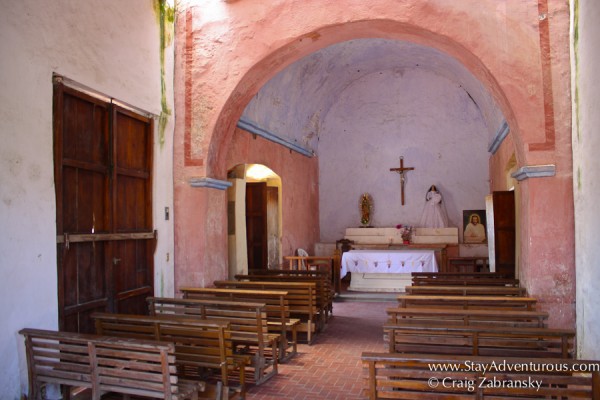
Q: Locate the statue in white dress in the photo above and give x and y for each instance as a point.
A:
(434, 213)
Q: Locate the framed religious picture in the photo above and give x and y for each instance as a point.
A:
(474, 226)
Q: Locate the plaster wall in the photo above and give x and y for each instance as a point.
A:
(586, 172)
(299, 187)
(415, 113)
(112, 47)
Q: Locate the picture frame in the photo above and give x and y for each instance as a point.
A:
(474, 226)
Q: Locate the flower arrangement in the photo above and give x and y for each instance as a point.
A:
(406, 232)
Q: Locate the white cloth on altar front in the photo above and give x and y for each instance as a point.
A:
(388, 261)
(434, 213)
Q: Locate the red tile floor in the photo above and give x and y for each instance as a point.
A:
(331, 367)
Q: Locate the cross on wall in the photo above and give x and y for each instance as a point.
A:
(402, 170)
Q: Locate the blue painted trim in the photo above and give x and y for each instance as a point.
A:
(534, 171)
(499, 138)
(210, 183)
(251, 127)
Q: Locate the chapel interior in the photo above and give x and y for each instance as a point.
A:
(258, 129)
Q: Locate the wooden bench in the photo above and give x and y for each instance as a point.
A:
(324, 291)
(301, 299)
(411, 376)
(248, 326)
(104, 364)
(462, 279)
(204, 349)
(446, 316)
(479, 340)
(472, 290)
(276, 305)
(468, 302)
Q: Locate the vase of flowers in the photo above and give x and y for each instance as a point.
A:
(406, 233)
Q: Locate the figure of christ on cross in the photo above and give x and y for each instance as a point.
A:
(402, 170)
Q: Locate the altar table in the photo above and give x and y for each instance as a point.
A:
(388, 261)
(385, 270)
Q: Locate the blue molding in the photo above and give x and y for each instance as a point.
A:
(254, 129)
(534, 171)
(209, 183)
(499, 138)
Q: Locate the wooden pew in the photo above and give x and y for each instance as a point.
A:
(411, 376)
(462, 279)
(276, 305)
(301, 299)
(204, 349)
(456, 316)
(104, 364)
(470, 302)
(248, 326)
(324, 290)
(328, 290)
(479, 340)
(472, 290)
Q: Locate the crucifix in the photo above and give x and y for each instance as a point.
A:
(402, 170)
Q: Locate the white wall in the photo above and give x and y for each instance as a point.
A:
(586, 173)
(416, 113)
(111, 46)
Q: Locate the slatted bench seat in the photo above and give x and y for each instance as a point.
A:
(276, 305)
(324, 291)
(470, 302)
(446, 316)
(301, 299)
(410, 376)
(472, 290)
(203, 348)
(479, 340)
(104, 364)
(248, 326)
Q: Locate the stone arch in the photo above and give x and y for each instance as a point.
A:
(307, 43)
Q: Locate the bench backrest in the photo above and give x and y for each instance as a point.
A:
(301, 295)
(276, 303)
(480, 340)
(101, 363)
(456, 316)
(199, 343)
(471, 302)
(413, 376)
(248, 321)
(473, 290)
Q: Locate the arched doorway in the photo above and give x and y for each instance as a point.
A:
(253, 218)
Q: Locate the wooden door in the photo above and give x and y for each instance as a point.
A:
(256, 225)
(105, 242)
(504, 231)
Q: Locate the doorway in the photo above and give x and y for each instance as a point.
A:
(254, 218)
(103, 179)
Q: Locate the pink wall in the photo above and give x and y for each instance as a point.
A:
(299, 187)
(519, 50)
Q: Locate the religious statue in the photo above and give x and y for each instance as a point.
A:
(365, 206)
(434, 213)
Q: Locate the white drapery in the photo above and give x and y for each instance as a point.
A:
(388, 261)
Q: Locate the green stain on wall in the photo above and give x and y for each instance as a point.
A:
(166, 20)
(578, 178)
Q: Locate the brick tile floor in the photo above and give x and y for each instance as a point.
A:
(330, 368)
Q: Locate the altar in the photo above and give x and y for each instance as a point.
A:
(380, 261)
(385, 270)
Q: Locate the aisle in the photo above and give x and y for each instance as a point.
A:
(331, 368)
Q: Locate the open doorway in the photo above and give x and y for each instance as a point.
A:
(254, 218)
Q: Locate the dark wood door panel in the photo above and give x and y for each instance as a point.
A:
(103, 178)
(256, 225)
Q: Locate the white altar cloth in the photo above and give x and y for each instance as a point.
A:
(388, 261)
